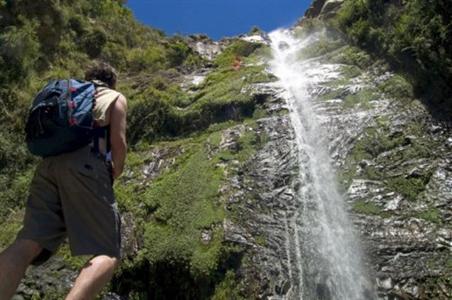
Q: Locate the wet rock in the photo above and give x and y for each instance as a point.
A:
(314, 10)
(330, 8)
(266, 196)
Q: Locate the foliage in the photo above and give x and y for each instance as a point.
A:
(163, 110)
(414, 36)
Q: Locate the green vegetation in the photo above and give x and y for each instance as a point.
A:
(10, 228)
(183, 203)
(169, 112)
(181, 213)
(369, 208)
(397, 87)
(178, 215)
(414, 36)
(351, 56)
(58, 39)
(396, 147)
(321, 47)
(228, 289)
(410, 187)
(431, 215)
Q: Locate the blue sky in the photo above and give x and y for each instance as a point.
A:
(217, 18)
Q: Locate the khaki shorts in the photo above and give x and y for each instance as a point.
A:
(71, 195)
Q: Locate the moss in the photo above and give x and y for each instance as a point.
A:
(319, 48)
(238, 48)
(409, 187)
(368, 208)
(261, 240)
(362, 99)
(397, 147)
(432, 215)
(350, 55)
(350, 71)
(397, 87)
(183, 203)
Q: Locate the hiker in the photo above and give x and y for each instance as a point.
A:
(71, 195)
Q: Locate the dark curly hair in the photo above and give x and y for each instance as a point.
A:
(102, 71)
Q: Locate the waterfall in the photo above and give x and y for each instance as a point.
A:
(329, 260)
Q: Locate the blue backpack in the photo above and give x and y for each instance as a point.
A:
(61, 118)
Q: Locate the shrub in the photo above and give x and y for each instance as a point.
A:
(177, 53)
(413, 36)
(19, 52)
(94, 42)
(148, 116)
(150, 58)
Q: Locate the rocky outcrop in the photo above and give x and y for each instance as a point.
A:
(321, 9)
(330, 8)
(263, 197)
(394, 162)
(314, 10)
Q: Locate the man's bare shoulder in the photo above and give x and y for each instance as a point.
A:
(121, 100)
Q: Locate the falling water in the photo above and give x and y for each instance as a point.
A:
(328, 255)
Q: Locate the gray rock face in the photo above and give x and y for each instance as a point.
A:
(264, 194)
(314, 10)
(330, 8)
(321, 9)
(203, 45)
(394, 163)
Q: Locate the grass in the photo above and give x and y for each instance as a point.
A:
(181, 204)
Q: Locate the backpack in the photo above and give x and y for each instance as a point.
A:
(61, 119)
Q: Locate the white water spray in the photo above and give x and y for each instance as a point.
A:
(328, 255)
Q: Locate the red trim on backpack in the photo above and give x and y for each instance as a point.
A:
(72, 121)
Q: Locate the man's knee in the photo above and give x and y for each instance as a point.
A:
(109, 263)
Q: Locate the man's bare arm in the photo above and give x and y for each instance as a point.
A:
(118, 123)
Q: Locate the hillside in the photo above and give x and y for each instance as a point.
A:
(212, 195)
(172, 119)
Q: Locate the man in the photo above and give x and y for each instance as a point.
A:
(71, 195)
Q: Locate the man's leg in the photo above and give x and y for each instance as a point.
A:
(14, 261)
(93, 277)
